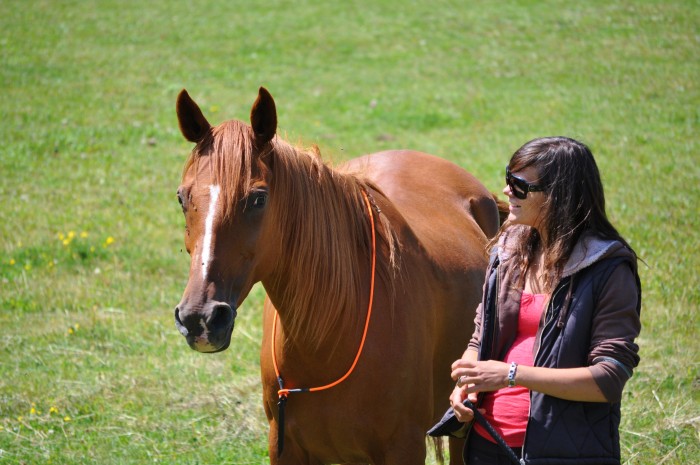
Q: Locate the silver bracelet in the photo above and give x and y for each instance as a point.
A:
(511, 374)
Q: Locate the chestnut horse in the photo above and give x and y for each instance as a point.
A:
(372, 270)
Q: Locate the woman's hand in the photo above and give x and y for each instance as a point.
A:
(458, 395)
(462, 390)
(483, 376)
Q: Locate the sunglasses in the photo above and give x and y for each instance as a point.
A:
(520, 187)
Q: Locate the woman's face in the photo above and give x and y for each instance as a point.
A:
(527, 211)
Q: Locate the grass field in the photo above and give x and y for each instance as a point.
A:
(92, 369)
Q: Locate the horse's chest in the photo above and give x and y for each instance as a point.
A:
(324, 433)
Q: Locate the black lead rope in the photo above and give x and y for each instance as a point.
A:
(280, 413)
(280, 418)
(494, 434)
(280, 425)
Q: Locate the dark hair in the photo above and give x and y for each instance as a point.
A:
(574, 205)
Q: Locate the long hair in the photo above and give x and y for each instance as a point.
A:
(325, 229)
(574, 204)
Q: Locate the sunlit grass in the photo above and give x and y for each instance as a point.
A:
(92, 369)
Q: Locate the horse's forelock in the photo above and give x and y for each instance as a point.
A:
(229, 149)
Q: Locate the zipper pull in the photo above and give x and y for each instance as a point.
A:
(567, 301)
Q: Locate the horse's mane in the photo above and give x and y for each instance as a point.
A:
(324, 228)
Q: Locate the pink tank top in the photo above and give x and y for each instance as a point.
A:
(507, 409)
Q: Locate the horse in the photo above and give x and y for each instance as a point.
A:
(372, 271)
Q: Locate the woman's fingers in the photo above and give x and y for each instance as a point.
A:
(462, 363)
(463, 413)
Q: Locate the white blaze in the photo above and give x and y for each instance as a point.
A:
(208, 226)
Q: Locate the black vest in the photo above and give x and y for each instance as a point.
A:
(560, 431)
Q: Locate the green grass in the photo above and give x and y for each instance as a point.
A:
(92, 369)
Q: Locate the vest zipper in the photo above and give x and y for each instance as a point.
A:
(497, 312)
(544, 321)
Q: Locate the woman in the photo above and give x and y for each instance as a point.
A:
(554, 338)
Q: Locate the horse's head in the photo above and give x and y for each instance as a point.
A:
(223, 196)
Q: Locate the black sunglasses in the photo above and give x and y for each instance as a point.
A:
(520, 187)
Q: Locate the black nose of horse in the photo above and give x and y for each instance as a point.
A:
(208, 328)
(221, 316)
(179, 324)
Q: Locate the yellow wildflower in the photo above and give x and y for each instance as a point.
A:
(12, 261)
(66, 418)
(53, 410)
(109, 241)
(61, 236)
(83, 234)
(32, 411)
(71, 234)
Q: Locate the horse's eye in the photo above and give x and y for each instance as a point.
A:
(183, 198)
(259, 200)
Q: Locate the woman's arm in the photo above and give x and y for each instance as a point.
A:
(575, 384)
(616, 325)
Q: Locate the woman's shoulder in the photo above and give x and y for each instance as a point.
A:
(591, 249)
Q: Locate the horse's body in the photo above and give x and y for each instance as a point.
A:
(310, 246)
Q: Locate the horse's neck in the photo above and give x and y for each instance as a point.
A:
(302, 315)
(318, 281)
(311, 363)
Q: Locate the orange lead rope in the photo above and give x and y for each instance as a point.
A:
(282, 392)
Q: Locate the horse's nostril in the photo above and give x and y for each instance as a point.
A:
(221, 316)
(178, 323)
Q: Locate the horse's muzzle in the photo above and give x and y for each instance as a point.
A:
(208, 328)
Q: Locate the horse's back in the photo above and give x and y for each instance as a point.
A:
(437, 198)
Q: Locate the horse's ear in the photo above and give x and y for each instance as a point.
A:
(263, 117)
(193, 124)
